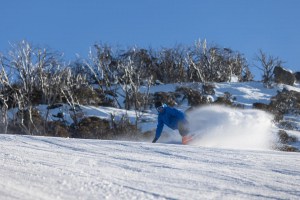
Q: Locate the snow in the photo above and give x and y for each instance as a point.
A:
(231, 157)
(62, 168)
(247, 93)
(219, 126)
(288, 87)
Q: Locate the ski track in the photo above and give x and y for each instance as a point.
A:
(59, 168)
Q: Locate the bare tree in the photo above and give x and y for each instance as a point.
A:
(234, 65)
(193, 60)
(70, 86)
(171, 63)
(5, 87)
(47, 72)
(104, 69)
(35, 75)
(267, 65)
(21, 57)
(206, 64)
(130, 83)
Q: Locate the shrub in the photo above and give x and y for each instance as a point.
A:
(208, 89)
(123, 129)
(286, 102)
(226, 99)
(261, 106)
(57, 129)
(30, 121)
(287, 148)
(194, 97)
(165, 97)
(92, 128)
(284, 138)
(278, 116)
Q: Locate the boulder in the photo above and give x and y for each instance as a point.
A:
(283, 76)
(297, 76)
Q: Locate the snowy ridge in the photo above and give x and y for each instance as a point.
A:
(60, 168)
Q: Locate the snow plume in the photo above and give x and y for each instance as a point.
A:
(219, 126)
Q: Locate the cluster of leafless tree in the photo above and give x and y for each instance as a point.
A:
(31, 75)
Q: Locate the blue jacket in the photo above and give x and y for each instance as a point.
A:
(170, 117)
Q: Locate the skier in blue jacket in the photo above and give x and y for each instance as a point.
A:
(173, 118)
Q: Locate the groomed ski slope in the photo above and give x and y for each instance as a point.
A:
(62, 168)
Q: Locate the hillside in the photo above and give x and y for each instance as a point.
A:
(110, 95)
(61, 168)
(232, 158)
(216, 126)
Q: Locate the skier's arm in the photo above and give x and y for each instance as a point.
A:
(159, 129)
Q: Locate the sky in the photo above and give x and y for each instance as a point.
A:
(72, 27)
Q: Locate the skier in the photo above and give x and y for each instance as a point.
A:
(174, 119)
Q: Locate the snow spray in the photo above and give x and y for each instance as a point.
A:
(224, 127)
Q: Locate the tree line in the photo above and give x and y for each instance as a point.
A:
(31, 75)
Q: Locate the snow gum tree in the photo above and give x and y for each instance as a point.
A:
(215, 64)
(267, 64)
(171, 63)
(104, 69)
(25, 65)
(33, 80)
(5, 92)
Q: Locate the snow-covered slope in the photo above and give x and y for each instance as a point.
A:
(231, 158)
(60, 168)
